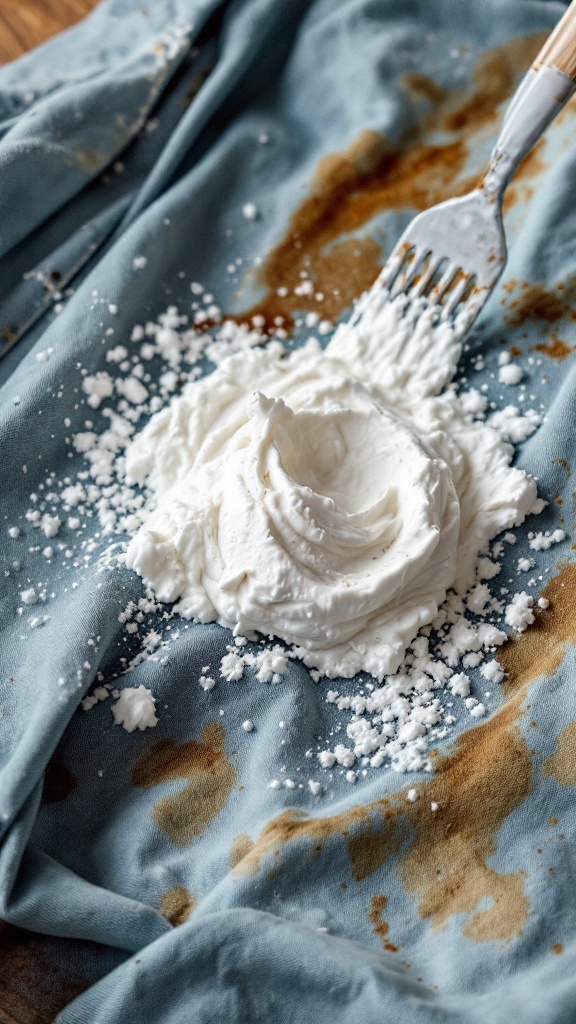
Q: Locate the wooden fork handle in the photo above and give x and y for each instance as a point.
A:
(559, 50)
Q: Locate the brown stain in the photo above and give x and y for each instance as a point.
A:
(184, 815)
(562, 764)
(557, 948)
(565, 465)
(442, 855)
(40, 975)
(177, 904)
(372, 175)
(241, 847)
(540, 650)
(380, 927)
(199, 78)
(59, 781)
(555, 349)
(540, 302)
(477, 787)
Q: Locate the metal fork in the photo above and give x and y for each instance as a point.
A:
(451, 256)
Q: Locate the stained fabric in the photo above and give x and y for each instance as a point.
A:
(163, 878)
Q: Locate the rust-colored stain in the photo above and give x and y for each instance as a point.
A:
(241, 847)
(562, 765)
(35, 984)
(538, 301)
(565, 465)
(557, 948)
(442, 855)
(59, 781)
(184, 815)
(177, 904)
(555, 349)
(540, 650)
(381, 928)
(372, 175)
(477, 788)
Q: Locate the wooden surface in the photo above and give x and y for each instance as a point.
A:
(559, 51)
(25, 23)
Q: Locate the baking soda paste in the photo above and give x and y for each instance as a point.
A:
(327, 498)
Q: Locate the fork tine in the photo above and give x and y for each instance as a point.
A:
(421, 286)
(471, 308)
(447, 277)
(456, 295)
(393, 265)
(409, 270)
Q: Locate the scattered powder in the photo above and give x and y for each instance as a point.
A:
(511, 373)
(135, 709)
(301, 443)
(519, 612)
(289, 511)
(250, 211)
(543, 541)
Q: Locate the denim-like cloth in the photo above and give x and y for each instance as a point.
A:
(467, 919)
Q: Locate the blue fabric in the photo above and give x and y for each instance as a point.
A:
(92, 863)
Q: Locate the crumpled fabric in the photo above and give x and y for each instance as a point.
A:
(276, 904)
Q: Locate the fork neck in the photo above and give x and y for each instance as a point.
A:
(539, 98)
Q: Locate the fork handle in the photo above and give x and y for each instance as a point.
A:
(540, 97)
(559, 50)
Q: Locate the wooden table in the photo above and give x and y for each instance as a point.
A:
(25, 23)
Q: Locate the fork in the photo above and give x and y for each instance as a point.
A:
(450, 257)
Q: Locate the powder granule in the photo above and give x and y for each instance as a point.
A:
(135, 709)
(519, 613)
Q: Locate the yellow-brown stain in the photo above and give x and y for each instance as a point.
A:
(562, 764)
(210, 776)
(442, 855)
(557, 948)
(540, 302)
(372, 175)
(241, 847)
(177, 904)
(540, 650)
(380, 927)
(565, 465)
(41, 974)
(555, 349)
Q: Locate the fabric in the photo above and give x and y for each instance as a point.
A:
(272, 904)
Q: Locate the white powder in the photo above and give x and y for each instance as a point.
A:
(543, 541)
(513, 425)
(97, 388)
(135, 709)
(28, 596)
(14, 532)
(492, 671)
(345, 488)
(519, 612)
(511, 373)
(402, 370)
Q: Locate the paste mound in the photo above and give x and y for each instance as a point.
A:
(334, 506)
